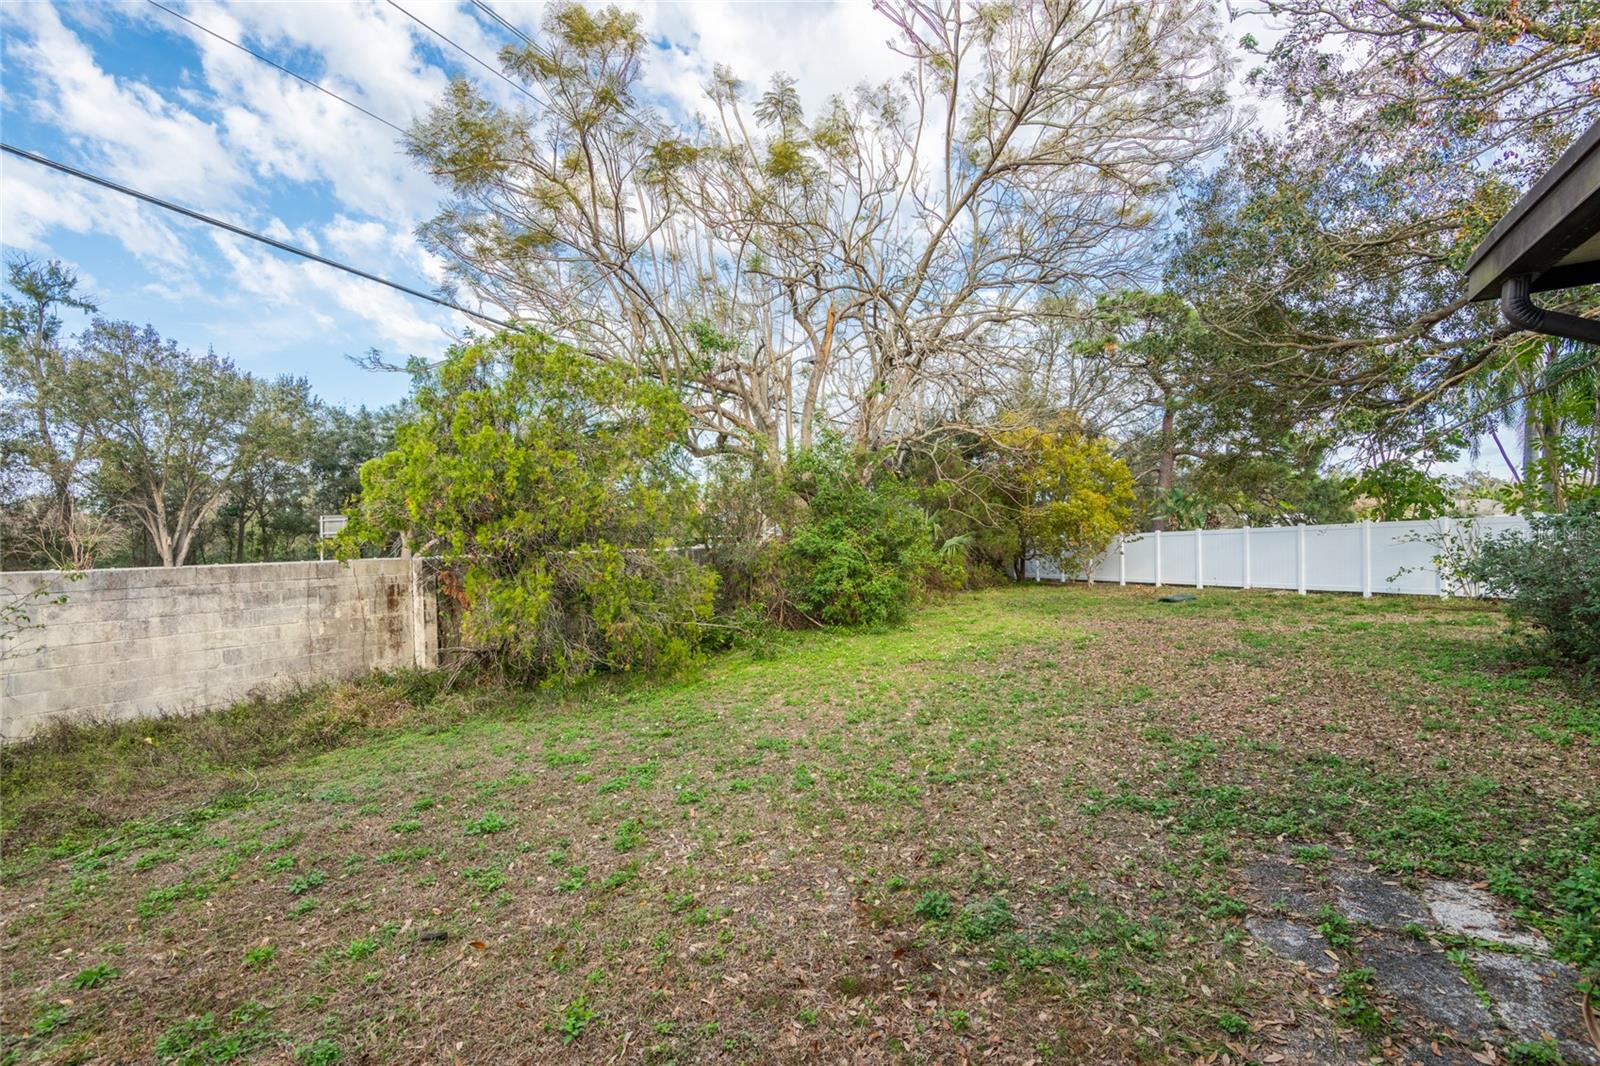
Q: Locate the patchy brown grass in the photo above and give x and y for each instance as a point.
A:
(1009, 831)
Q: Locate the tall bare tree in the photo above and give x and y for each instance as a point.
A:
(859, 269)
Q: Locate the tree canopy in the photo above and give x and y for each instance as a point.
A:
(862, 268)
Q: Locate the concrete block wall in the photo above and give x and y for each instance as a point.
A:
(140, 642)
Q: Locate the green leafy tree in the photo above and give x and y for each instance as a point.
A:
(342, 440)
(1159, 345)
(1065, 495)
(267, 504)
(1288, 486)
(167, 429)
(1215, 426)
(1548, 389)
(556, 485)
(1184, 508)
(1398, 491)
(1333, 252)
(1335, 281)
(39, 429)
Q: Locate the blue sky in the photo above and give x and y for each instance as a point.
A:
(129, 92)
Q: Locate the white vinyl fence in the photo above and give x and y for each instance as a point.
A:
(1364, 557)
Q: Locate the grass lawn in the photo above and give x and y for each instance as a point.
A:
(1014, 829)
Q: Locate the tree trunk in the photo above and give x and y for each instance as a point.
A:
(819, 368)
(1530, 469)
(1550, 438)
(1594, 434)
(1168, 461)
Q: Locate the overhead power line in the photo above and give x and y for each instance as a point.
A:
(282, 246)
(470, 55)
(492, 13)
(277, 66)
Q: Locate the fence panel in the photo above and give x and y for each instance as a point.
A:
(1223, 557)
(1333, 558)
(1363, 557)
(1141, 558)
(1109, 567)
(1402, 556)
(1275, 557)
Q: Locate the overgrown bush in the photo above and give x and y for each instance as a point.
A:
(1550, 580)
(1031, 486)
(858, 548)
(1577, 899)
(557, 486)
(739, 533)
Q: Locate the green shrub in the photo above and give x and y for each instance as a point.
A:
(318, 1053)
(740, 499)
(1534, 1053)
(95, 976)
(557, 488)
(1060, 490)
(858, 549)
(983, 919)
(1356, 1007)
(1550, 580)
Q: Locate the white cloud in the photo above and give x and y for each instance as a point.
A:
(38, 201)
(290, 131)
(827, 48)
(266, 279)
(127, 128)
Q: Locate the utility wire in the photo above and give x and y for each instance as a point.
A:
(277, 66)
(209, 220)
(492, 13)
(470, 55)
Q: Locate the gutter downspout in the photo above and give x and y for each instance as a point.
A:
(1522, 312)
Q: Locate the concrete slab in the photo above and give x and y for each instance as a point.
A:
(1364, 896)
(1428, 986)
(1537, 999)
(1292, 940)
(1279, 885)
(1472, 912)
